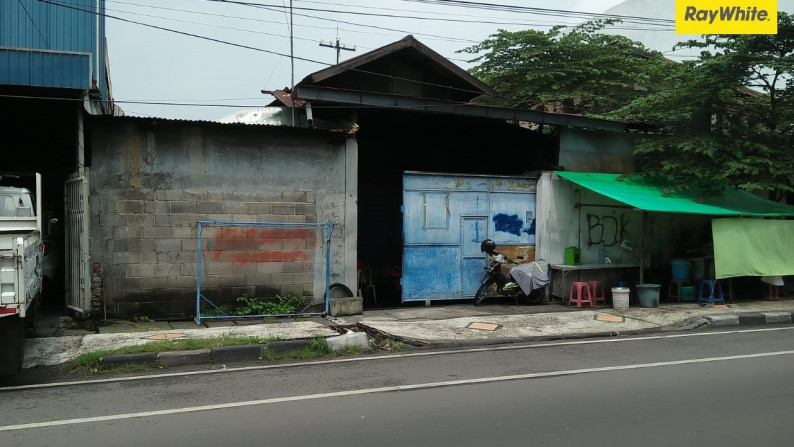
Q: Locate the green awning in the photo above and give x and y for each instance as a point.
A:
(644, 195)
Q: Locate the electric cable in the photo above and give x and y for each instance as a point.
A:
(279, 54)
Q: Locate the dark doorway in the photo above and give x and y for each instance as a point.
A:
(392, 142)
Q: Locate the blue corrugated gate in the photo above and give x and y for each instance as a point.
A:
(445, 217)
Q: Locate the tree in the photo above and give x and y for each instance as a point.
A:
(591, 73)
(727, 118)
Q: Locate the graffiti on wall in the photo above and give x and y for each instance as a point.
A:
(606, 230)
(254, 245)
(512, 224)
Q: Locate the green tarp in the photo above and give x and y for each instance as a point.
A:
(753, 247)
(643, 195)
(742, 246)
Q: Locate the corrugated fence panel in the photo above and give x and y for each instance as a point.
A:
(67, 26)
(445, 217)
(45, 69)
(434, 272)
(62, 29)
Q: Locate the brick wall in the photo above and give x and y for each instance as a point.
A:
(144, 235)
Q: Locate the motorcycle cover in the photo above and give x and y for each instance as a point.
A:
(531, 275)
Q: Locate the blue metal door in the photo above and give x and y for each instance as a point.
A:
(445, 217)
(474, 230)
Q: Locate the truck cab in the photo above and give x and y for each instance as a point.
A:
(21, 257)
(15, 202)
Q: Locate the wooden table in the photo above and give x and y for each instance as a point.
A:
(566, 270)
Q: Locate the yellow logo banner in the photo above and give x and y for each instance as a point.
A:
(726, 17)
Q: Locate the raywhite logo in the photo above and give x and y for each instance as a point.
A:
(726, 14)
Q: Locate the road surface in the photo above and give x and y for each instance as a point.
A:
(704, 388)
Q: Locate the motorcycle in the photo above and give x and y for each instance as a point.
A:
(531, 276)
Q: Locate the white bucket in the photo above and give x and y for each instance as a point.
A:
(620, 297)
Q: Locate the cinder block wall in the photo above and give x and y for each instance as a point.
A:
(151, 181)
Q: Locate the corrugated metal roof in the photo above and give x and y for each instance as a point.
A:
(329, 129)
(285, 98)
(59, 31)
(35, 68)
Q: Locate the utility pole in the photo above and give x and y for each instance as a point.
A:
(338, 47)
(292, 66)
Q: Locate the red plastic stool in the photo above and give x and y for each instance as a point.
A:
(583, 294)
(597, 290)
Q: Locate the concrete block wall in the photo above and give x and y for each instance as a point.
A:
(150, 187)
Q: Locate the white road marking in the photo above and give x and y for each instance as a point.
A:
(417, 386)
(509, 347)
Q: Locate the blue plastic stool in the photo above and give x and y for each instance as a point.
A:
(713, 292)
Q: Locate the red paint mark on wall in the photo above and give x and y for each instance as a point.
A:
(246, 257)
(244, 245)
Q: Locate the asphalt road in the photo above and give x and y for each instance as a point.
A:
(705, 389)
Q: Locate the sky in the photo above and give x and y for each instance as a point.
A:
(227, 52)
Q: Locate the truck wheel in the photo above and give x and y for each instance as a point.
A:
(12, 353)
(32, 318)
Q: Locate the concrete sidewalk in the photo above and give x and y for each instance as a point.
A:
(436, 325)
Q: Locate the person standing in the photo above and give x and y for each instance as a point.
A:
(774, 283)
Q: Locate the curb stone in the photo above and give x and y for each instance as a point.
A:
(145, 358)
(779, 317)
(280, 347)
(351, 339)
(722, 320)
(180, 358)
(242, 353)
(750, 319)
(220, 355)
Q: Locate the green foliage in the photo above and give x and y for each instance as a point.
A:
(90, 360)
(283, 305)
(211, 311)
(596, 73)
(89, 363)
(318, 347)
(389, 344)
(726, 119)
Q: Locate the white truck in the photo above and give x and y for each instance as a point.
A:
(21, 253)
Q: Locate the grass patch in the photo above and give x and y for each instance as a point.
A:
(389, 344)
(89, 363)
(317, 348)
(91, 360)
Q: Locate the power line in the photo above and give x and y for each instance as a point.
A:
(367, 14)
(184, 33)
(276, 53)
(231, 28)
(544, 11)
(513, 9)
(254, 48)
(35, 25)
(271, 52)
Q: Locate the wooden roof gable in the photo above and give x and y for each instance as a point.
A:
(405, 68)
